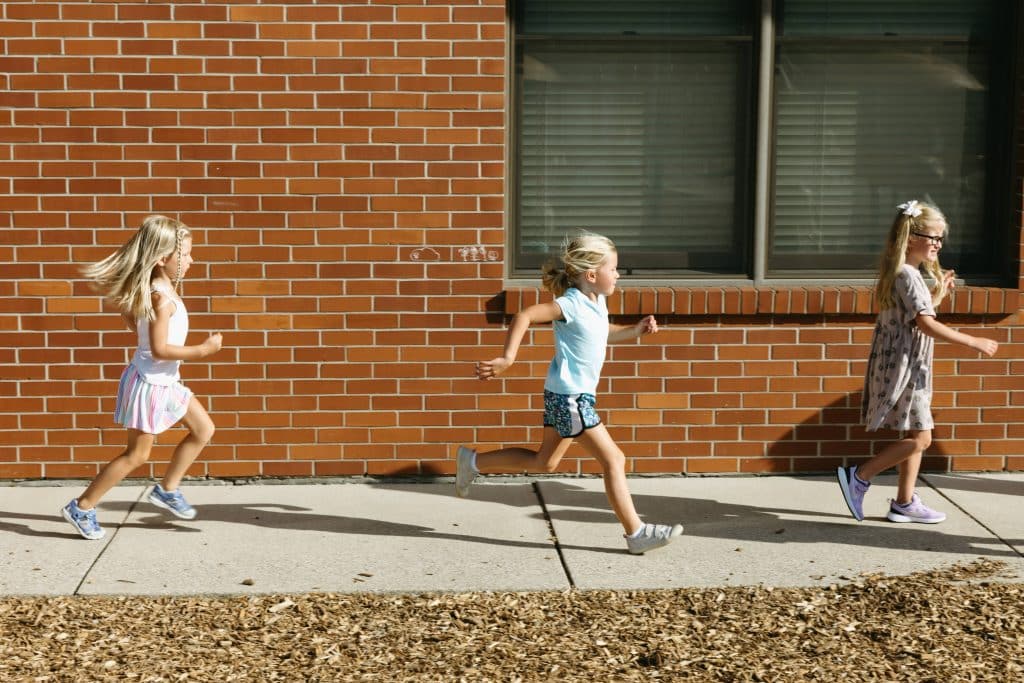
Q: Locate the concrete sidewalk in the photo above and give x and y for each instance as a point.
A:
(511, 534)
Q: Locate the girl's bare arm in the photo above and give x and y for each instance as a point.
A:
(933, 328)
(158, 335)
(538, 313)
(619, 333)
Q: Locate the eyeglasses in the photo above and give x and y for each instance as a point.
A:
(936, 240)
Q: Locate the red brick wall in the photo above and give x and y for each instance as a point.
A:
(342, 167)
(747, 380)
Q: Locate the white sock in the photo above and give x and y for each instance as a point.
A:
(637, 533)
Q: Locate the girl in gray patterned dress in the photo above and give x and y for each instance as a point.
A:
(898, 382)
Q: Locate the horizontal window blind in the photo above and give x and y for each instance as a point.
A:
(863, 125)
(859, 131)
(614, 17)
(885, 17)
(642, 146)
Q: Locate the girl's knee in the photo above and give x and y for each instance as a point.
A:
(922, 440)
(137, 457)
(203, 432)
(614, 461)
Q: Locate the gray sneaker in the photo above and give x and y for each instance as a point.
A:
(173, 501)
(465, 473)
(84, 521)
(652, 536)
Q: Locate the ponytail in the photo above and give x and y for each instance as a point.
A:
(581, 253)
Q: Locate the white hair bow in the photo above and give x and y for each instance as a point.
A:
(911, 208)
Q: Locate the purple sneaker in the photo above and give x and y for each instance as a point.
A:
(914, 511)
(853, 490)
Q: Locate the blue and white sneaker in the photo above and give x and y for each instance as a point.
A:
(853, 489)
(84, 521)
(173, 501)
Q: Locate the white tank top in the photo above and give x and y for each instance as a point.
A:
(162, 372)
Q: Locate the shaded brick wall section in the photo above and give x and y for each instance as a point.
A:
(342, 166)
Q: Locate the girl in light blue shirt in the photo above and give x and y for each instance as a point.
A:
(581, 279)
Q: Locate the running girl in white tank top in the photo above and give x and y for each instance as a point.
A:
(141, 279)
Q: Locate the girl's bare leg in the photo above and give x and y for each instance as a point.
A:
(908, 470)
(545, 459)
(135, 455)
(200, 431)
(906, 455)
(599, 444)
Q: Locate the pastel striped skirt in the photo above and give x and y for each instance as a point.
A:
(149, 408)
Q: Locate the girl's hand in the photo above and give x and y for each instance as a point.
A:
(950, 278)
(492, 368)
(646, 326)
(212, 344)
(985, 346)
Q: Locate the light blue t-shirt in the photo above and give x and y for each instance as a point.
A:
(581, 338)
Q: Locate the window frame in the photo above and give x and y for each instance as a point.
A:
(760, 158)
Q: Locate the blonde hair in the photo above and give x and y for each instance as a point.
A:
(895, 254)
(581, 253)
(124, 276)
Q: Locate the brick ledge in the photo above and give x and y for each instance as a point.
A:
(838, 300)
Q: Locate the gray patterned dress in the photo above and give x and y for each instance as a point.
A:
(898, 382)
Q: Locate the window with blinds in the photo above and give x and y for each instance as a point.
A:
(877, 103)
(636, 120)
(632, 121)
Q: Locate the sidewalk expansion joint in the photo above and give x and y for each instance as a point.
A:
(977, 521)
(553, 535)
(106, 544)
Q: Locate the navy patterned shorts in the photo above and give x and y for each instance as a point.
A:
(570, 414)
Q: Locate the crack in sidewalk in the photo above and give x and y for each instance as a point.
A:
(554, 536)
(977, 521)
(109, 541)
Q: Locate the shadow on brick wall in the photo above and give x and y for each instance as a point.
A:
(834, 436)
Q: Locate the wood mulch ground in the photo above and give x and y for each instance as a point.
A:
(964, 623)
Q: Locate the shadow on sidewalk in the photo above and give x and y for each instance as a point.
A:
(708, 518)
(974, 483)
(702, 517)
(262, 515)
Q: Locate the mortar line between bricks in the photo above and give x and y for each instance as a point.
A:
(977, 521)
(554, 536)
(110, 540)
